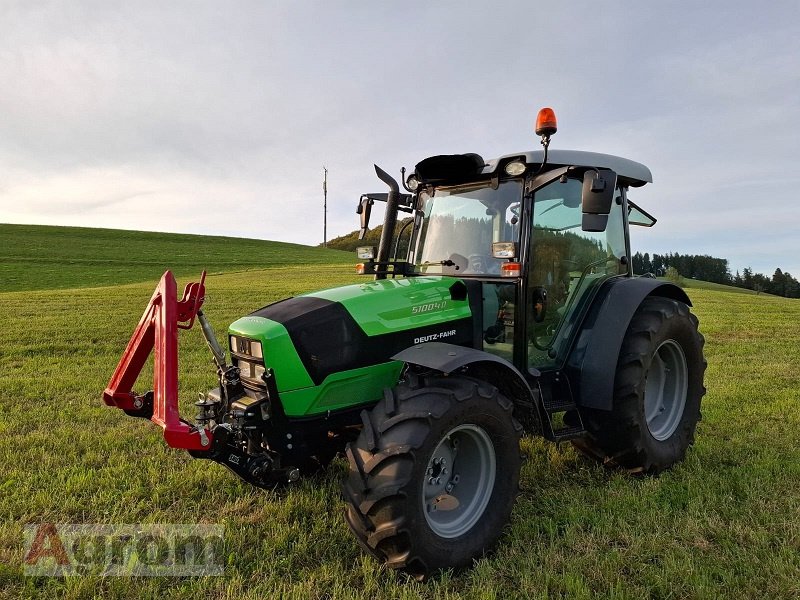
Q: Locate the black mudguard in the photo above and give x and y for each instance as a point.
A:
(592, 364)
(447, 358)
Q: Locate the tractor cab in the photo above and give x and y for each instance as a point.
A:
(539, 232)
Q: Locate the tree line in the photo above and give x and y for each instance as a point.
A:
(350, 241)
(695, 266)
(716, 270)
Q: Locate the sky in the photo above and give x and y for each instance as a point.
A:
(218, 117)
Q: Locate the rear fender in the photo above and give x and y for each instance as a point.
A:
(592, 363)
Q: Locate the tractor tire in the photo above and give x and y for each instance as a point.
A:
(434, 473)
(658, 387)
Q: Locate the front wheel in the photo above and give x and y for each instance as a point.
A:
(434, 473)
(657, 392)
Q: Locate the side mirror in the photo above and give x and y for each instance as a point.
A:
(597, 197)
(364, 209)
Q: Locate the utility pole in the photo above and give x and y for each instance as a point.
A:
(325, 209)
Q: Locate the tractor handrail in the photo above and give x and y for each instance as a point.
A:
(157, 332)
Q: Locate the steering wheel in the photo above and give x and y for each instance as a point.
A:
(482, 263)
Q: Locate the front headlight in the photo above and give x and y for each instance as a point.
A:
(515, 168)
(245, 346)
(245, 369)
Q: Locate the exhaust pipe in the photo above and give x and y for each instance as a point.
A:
(389, 220)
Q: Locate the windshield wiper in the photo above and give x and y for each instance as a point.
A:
(444, 263)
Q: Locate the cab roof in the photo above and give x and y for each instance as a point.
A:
(630, 172)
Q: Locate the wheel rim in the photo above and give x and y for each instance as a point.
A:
(666, 389)
(459, 480)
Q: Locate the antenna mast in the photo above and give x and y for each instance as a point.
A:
(325, 209)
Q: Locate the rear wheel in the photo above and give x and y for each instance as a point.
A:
(434, 473)
(657, 392)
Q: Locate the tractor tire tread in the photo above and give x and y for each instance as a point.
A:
(380, 468)
(619, 438)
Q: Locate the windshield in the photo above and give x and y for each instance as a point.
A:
(461, 223)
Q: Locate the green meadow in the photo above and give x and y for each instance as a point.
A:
(37, 257)
(723, 524)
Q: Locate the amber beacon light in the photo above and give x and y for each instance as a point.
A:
(546, 124)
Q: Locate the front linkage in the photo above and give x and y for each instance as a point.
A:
(231, 428)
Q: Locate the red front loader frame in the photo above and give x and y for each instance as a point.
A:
(158, 330)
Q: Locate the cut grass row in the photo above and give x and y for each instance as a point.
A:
(725, 523)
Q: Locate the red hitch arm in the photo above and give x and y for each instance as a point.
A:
(158, 330)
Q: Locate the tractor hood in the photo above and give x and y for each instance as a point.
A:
(389, 305)
(308, 338)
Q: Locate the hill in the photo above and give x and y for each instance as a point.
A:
(696, 284)
(43, 257)
(349, 242)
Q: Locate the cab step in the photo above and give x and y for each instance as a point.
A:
(563, 420)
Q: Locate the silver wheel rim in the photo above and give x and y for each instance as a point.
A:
(459, 480)
(665, 390)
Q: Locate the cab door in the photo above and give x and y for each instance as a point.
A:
(567, 266)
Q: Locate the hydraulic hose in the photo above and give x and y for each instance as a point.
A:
(211, 340)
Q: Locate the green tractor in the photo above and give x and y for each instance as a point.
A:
(513, 311)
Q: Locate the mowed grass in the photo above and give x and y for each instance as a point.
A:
(696, 284)
(723, 524)
(37, 257)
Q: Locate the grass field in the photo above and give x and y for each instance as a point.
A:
(724, 524)
(38, 257)
(694, 284)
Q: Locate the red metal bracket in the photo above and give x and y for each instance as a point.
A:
(158, 331)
